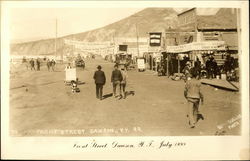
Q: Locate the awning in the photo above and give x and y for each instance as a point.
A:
(197, 46)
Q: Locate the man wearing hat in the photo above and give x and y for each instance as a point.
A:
(186, 70)
(123, 82)
(116, 79)
(100, 81)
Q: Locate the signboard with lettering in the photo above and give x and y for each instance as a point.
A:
(123, 47)
(140, 64)
(70, 74)
(206, 45)
(155, 39)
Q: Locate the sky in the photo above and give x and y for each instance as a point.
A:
(38, 23)
(29, 24)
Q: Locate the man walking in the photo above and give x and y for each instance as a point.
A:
(197, 66)
(192, 93)
(209, 66)
(32, 64)
(25, 62)
(38, 64)
(116, 79)
(100, 81)
(48, 64)
(186, 70)
(123, 82)
(53, 64)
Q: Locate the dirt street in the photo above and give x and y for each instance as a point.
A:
(42, 105)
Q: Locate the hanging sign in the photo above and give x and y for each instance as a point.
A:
(207, 45)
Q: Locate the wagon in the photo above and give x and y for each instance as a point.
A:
(80, 63)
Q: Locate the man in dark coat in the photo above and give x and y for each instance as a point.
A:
(215, 68)
(197, 66)
(53, 64)
(38, 64)
(32, 64)
(100, 81)
(48, 64)
(116, 79)
(209, 67)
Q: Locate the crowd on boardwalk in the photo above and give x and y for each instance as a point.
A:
(209, 69)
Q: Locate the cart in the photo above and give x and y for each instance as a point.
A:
(79, 62)
(70, 75)
(141, 64)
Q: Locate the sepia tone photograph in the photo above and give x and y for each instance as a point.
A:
(123, 80)
(125, 72)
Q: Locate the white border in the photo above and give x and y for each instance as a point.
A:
(210, 148)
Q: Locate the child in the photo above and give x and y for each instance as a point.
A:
(74, 87)
(192, 93)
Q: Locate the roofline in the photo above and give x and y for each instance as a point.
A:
(154, 32)
(217, 29)
(186, 11)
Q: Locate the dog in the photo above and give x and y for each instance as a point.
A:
(74, 87)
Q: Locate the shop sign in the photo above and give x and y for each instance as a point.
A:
(207, 45)
(140, 64)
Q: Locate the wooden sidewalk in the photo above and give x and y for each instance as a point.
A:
(219, 83)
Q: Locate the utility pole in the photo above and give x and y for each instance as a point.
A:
(137, 39)
(56, 40)
(114, 43)
(239, 30)
(238, 16)
(137, 34)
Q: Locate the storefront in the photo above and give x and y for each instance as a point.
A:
(153, 57)
(191, 52)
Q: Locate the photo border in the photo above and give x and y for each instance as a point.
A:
(197, 147)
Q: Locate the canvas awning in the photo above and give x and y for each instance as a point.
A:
(197, 46)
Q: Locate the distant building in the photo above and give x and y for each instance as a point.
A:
(198, 25)
(204, 31)
(171, 37)
(132, 43)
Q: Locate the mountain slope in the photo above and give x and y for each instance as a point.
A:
(149, 19)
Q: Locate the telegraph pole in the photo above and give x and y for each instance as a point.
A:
(137, 39)
(238, 15)
(137, 35)
(239, 30)
(56, 40)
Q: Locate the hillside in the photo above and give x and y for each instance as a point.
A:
(225, 18)
(149, 19)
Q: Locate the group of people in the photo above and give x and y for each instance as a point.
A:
(32, 63)
(51, 64)
(35, 64)
(118, 80)
(210, 69)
